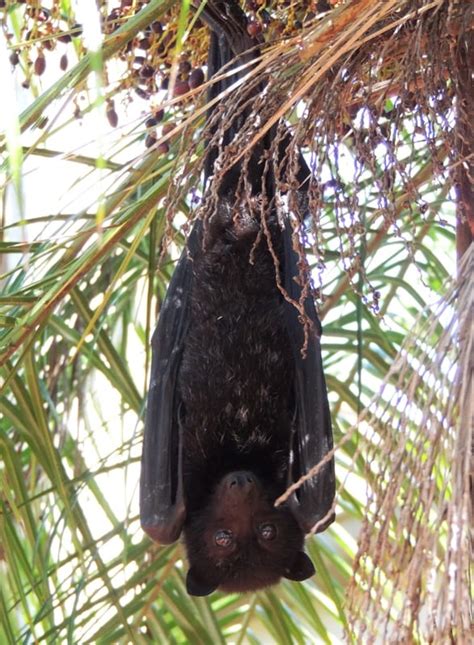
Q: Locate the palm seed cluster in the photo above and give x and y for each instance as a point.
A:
(46, 34)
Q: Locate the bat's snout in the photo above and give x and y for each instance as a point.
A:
(241, 480)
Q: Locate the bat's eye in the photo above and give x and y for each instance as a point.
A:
(224, 538)
(267, 531)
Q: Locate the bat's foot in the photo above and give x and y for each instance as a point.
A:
(235, 222)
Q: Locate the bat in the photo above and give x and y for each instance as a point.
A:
(236, 411)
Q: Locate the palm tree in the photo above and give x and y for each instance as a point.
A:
(100, 176)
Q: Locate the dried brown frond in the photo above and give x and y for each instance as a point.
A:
(368, 91)
(411, 580)
(411, 575)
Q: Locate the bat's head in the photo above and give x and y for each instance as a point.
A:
(240, 542)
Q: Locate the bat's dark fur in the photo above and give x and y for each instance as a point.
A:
(239, 404)
(231, 399)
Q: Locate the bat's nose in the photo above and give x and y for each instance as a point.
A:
(241, 479)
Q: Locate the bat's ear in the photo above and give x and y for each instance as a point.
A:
(196, 585)
(301, 569)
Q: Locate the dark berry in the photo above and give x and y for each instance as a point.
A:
(143, 94)
(185, 67)
(323, 5)
(196, 78)
(163, 148)
(147, 71)
(144, 43)
(180, 88)
(40, 65)
(168, 127)
(64, 38)
(150, 140)
(112, 117)
(254, 28)
(158, 114)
